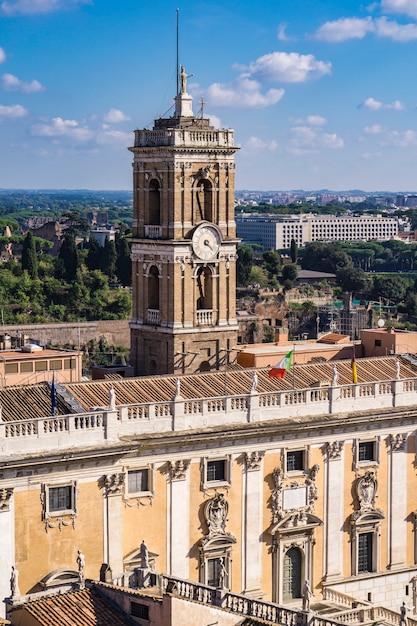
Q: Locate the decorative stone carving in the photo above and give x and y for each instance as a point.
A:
(254, 382)
(253, 460)
(5, 497)
(293, 502)
(398, 441)
(215, 513)
(334, 449)
(366, 488)
(113, 484)
(112, 399)
(335, 376)
(178, 469)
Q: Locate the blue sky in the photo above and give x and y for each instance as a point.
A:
(321, 94)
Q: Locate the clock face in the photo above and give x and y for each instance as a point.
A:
(206, 242)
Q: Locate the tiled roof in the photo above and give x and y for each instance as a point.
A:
(34, 401)
(78, 608)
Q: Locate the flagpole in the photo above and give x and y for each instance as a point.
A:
(292, 366)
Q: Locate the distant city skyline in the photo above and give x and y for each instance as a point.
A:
(322, 96)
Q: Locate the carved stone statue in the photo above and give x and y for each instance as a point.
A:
(307, 594)
(112, 399)
(397, 369)
(177, 395)
(81, 566)
(335, 376)
(254, 382)
(144, 555)
(403, 615)
(183, 79)
(222, 571)
(14, 583)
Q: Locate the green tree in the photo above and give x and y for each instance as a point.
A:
(123, 261)
(29, 256)
(67, 259)
(289, 272)
(244, 265)
(108, 263)
(294, 251)
(352, 279)
(271, 264)
(325, 257)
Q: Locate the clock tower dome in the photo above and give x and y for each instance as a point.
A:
(184, 244)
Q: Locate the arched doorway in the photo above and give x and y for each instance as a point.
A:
(291, 583)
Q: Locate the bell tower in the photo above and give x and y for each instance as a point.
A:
(184, 244)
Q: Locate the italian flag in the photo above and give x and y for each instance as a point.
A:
(281, 368)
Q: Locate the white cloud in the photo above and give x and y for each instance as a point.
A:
(309, 139)
(371, 155)
(345, 28)
(282, 35)
(113, 137)
(357, 28)
(62, 128)
(376, 105)
(395, 31)
(405, 7)
(312, 120)
(242, 93)
(30, 7)
(214, 120)
(398, 139)
(12, 83)
(115, 116)
(375, 129)
(255, 144)
(290, 67)
(12, 112)
(2, 55)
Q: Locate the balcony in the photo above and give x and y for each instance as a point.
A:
(204, 317)
(153, 317)
(153, 232)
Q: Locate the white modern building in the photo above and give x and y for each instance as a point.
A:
(277, 231)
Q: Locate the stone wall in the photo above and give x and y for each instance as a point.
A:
(75, 334)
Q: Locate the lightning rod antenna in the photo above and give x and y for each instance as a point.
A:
(178, 67)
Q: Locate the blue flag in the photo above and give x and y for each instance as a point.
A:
(53, 396)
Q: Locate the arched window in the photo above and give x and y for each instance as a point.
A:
(292, 574)
(204, 199)
(154, 203)
(204, 289)
(153, 288)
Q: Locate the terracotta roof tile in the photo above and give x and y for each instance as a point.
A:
(78, 608)
(34, 401)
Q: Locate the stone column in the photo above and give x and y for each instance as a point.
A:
(398, 501)
(7, 543)
(334, 510)
(253, 524)
(179, 519)
(113, 550)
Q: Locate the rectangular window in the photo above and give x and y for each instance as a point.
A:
(295, 460)
(378, 342)
(26, 368)
(11, 368)
(69, 364)
(41, 366)
(365, 552)
(139, 610)
(138, 481)
(216, 471)
(60, 498)
(55, 365)
(366, 451)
